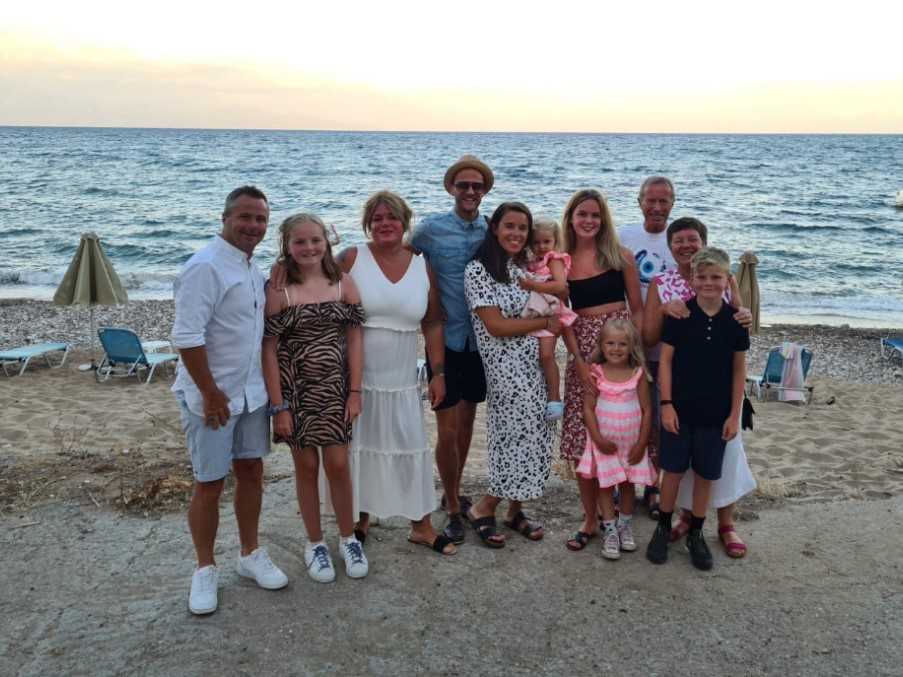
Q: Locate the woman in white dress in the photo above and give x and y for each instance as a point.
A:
(391, 461)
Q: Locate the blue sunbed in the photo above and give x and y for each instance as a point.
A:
(25, 354)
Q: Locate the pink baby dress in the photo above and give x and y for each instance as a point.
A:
(544, 305)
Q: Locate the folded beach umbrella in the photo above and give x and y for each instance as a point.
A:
(90, 281)
(749, 287)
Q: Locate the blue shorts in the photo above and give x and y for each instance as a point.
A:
(245, 436)
(696, 446)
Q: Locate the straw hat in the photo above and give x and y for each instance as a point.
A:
(470, 162)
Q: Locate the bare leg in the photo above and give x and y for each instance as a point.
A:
(203, 519)
(589, 497)
(726, 515)
(447, 456)
(248, 497)
(338, 472)
(628, 497)
(467, 412)
(607, 503)
(307, 466)
(701, 491)
(670, 483)
(550, 367)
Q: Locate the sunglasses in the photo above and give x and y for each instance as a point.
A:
(464, 186)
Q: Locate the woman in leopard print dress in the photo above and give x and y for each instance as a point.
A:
(519, 440)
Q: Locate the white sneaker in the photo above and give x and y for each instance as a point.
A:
(625, 534)
(319, 563)
(260, 567)
(202, 598)
(611, 545)
(352, 552)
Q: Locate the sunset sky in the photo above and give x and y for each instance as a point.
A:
(506, 66)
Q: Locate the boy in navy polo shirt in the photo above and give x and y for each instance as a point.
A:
(701, 377)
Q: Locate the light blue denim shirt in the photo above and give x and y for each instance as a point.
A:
(449, 242)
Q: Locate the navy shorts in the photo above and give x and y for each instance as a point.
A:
(464, 377)
(699, 447)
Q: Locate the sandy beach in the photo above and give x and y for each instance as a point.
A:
(79, 455)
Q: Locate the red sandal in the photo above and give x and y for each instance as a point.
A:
(735, 549)
(681, 530)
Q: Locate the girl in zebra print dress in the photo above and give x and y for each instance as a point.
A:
(313, 364)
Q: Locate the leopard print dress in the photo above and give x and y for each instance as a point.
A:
(313, 371)
(519, 441)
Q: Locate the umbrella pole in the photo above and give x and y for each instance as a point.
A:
(93, 363)
(90, 366)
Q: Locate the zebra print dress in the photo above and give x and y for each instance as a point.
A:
(313, 370)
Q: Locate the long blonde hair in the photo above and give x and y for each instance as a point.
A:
(608, 247)
(330, 268)
(635, 357)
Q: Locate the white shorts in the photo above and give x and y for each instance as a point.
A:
(245, 435)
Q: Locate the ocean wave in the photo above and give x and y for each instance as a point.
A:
(18, 232)
(145, 281)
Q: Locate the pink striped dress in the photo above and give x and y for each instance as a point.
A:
(619, 417)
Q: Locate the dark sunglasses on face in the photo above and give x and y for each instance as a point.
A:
(464, 186)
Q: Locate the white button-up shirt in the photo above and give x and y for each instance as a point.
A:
(219, 304)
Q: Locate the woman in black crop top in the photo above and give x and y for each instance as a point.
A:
(603, 284)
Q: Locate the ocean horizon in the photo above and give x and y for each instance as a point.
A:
(817, 209)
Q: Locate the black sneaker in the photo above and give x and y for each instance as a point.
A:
(700, 554)
(657, 550)
(454, 530)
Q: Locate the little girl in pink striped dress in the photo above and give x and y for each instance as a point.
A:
(547, 285)
(618, 422)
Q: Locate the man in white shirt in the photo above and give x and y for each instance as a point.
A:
(218, 331)
(647, 240)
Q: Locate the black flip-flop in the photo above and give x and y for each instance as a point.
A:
(524, 526)
(454, 530)
(580, 539)
(486, 529)
(438, 545)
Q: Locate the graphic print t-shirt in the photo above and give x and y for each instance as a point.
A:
(653, 257)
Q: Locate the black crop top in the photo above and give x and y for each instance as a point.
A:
(597, 291)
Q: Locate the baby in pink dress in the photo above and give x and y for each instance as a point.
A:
(618, 422)
(548, 285)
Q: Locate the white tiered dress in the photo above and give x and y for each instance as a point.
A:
(391, 462)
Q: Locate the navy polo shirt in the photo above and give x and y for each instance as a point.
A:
(703, 365)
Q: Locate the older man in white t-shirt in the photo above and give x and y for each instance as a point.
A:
(649, 243)
(218, 331)
(647, 240)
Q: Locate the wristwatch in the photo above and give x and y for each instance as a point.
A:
(274, 409)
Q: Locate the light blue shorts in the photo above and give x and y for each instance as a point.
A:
(245, 435)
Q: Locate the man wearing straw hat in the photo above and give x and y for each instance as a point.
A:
(218, 331)
(449, 241)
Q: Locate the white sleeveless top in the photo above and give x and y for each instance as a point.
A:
(398, 306)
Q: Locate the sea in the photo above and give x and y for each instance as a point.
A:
(818, 211)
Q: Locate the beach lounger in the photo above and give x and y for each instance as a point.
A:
(892, 345)
(772, 379)
(124, 355)
(25, 354)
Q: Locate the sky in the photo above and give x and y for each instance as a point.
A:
(562, 66)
